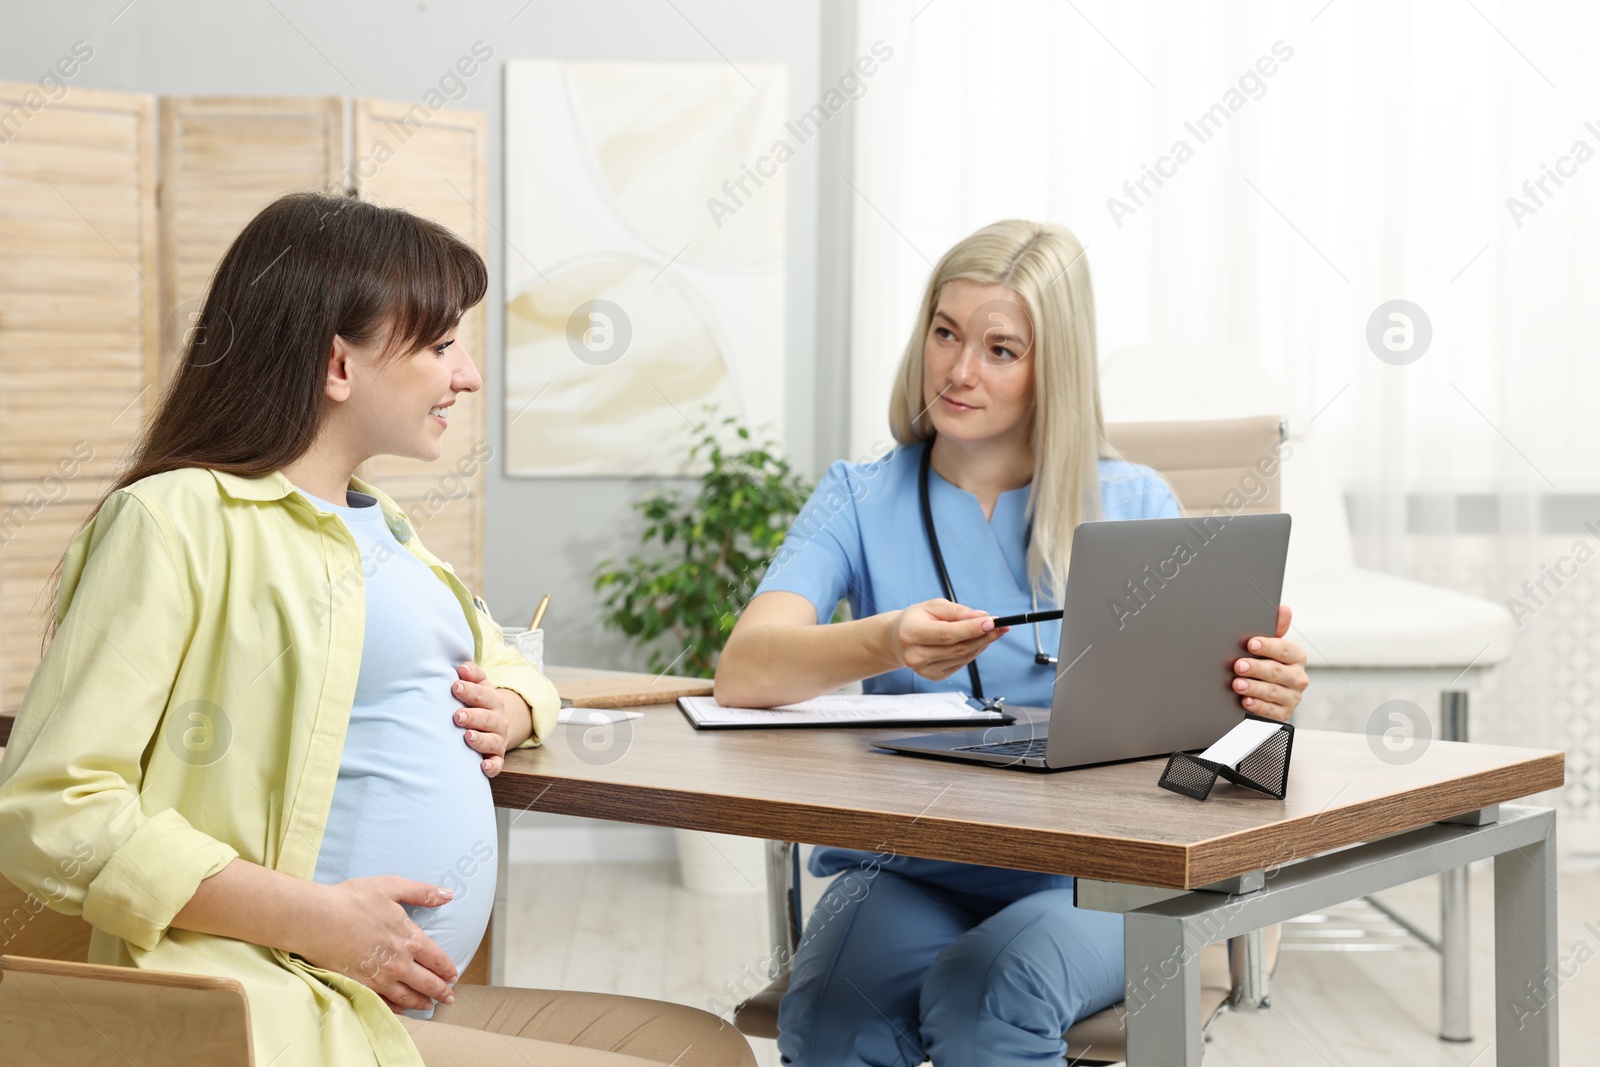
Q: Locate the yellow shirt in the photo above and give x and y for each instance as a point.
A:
(191, 708)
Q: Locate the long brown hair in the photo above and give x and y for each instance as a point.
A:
(247, 395)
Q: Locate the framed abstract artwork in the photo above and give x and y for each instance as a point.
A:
(644, 260)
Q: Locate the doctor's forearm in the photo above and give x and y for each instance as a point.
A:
(781, 663)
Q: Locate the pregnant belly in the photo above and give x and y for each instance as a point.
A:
(463, 860)
(429, 819)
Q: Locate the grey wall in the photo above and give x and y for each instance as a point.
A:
(543, 535)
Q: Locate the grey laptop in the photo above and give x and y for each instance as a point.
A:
(1156, 612)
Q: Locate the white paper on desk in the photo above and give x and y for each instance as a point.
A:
(837, 708)
(1239, 742)
(596, 716)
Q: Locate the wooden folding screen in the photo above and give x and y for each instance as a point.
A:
(78, 326)
(223, 159)
(435, 164)
(101, 269)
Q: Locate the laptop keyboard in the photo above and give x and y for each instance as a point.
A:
(1028, 748)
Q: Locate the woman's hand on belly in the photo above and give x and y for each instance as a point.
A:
(936, 638)
(491, 717)
(361, 930)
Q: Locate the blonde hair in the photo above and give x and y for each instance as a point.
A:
(1044, 265)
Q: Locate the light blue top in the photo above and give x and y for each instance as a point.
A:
(410, 798)
(860, 537)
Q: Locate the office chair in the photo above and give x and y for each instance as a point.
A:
(55, 1013)
(58, 1010)
(1226, 466)
(1362, 628)
(53, 1001)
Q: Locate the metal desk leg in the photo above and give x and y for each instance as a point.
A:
(1251, 990)
(1455, 902)
(498, 932)
(1163, 991)
(1163, 928)
(1525, 967)
(783, 904)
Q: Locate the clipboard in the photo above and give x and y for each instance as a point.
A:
(838, 710)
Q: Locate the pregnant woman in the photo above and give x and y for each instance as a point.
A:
(260, 740)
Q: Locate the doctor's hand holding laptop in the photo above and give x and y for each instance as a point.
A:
(1155, 614)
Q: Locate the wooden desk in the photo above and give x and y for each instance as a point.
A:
(1136, 848)
(830, 787)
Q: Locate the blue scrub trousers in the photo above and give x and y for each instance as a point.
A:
(894, 969)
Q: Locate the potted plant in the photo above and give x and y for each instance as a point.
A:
(703, 554)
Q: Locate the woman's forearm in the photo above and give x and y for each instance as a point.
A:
(357, 927)
(779, 663)
(249, 902)
(520, 727)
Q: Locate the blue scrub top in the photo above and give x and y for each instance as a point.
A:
(860, 537)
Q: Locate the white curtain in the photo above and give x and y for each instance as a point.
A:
(1356, 152)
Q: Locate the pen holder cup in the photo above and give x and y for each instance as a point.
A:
(530, 643)
(1266, 770)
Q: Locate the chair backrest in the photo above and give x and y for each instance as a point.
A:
(58, 1009)
(1214, 466)
(59, 1014)
(29, 927)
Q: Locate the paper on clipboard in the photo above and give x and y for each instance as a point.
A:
(596, 716)
(843, 709)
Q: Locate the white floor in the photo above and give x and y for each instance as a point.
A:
(631, 928)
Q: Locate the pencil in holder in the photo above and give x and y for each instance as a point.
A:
(1264, 769)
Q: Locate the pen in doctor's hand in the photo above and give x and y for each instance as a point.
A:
(538, 612)
(1027, 617)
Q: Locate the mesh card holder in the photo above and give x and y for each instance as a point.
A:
(1265, 769)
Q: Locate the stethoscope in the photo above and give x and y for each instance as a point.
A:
(1040, 656)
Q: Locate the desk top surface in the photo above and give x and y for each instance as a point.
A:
(831, 787)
